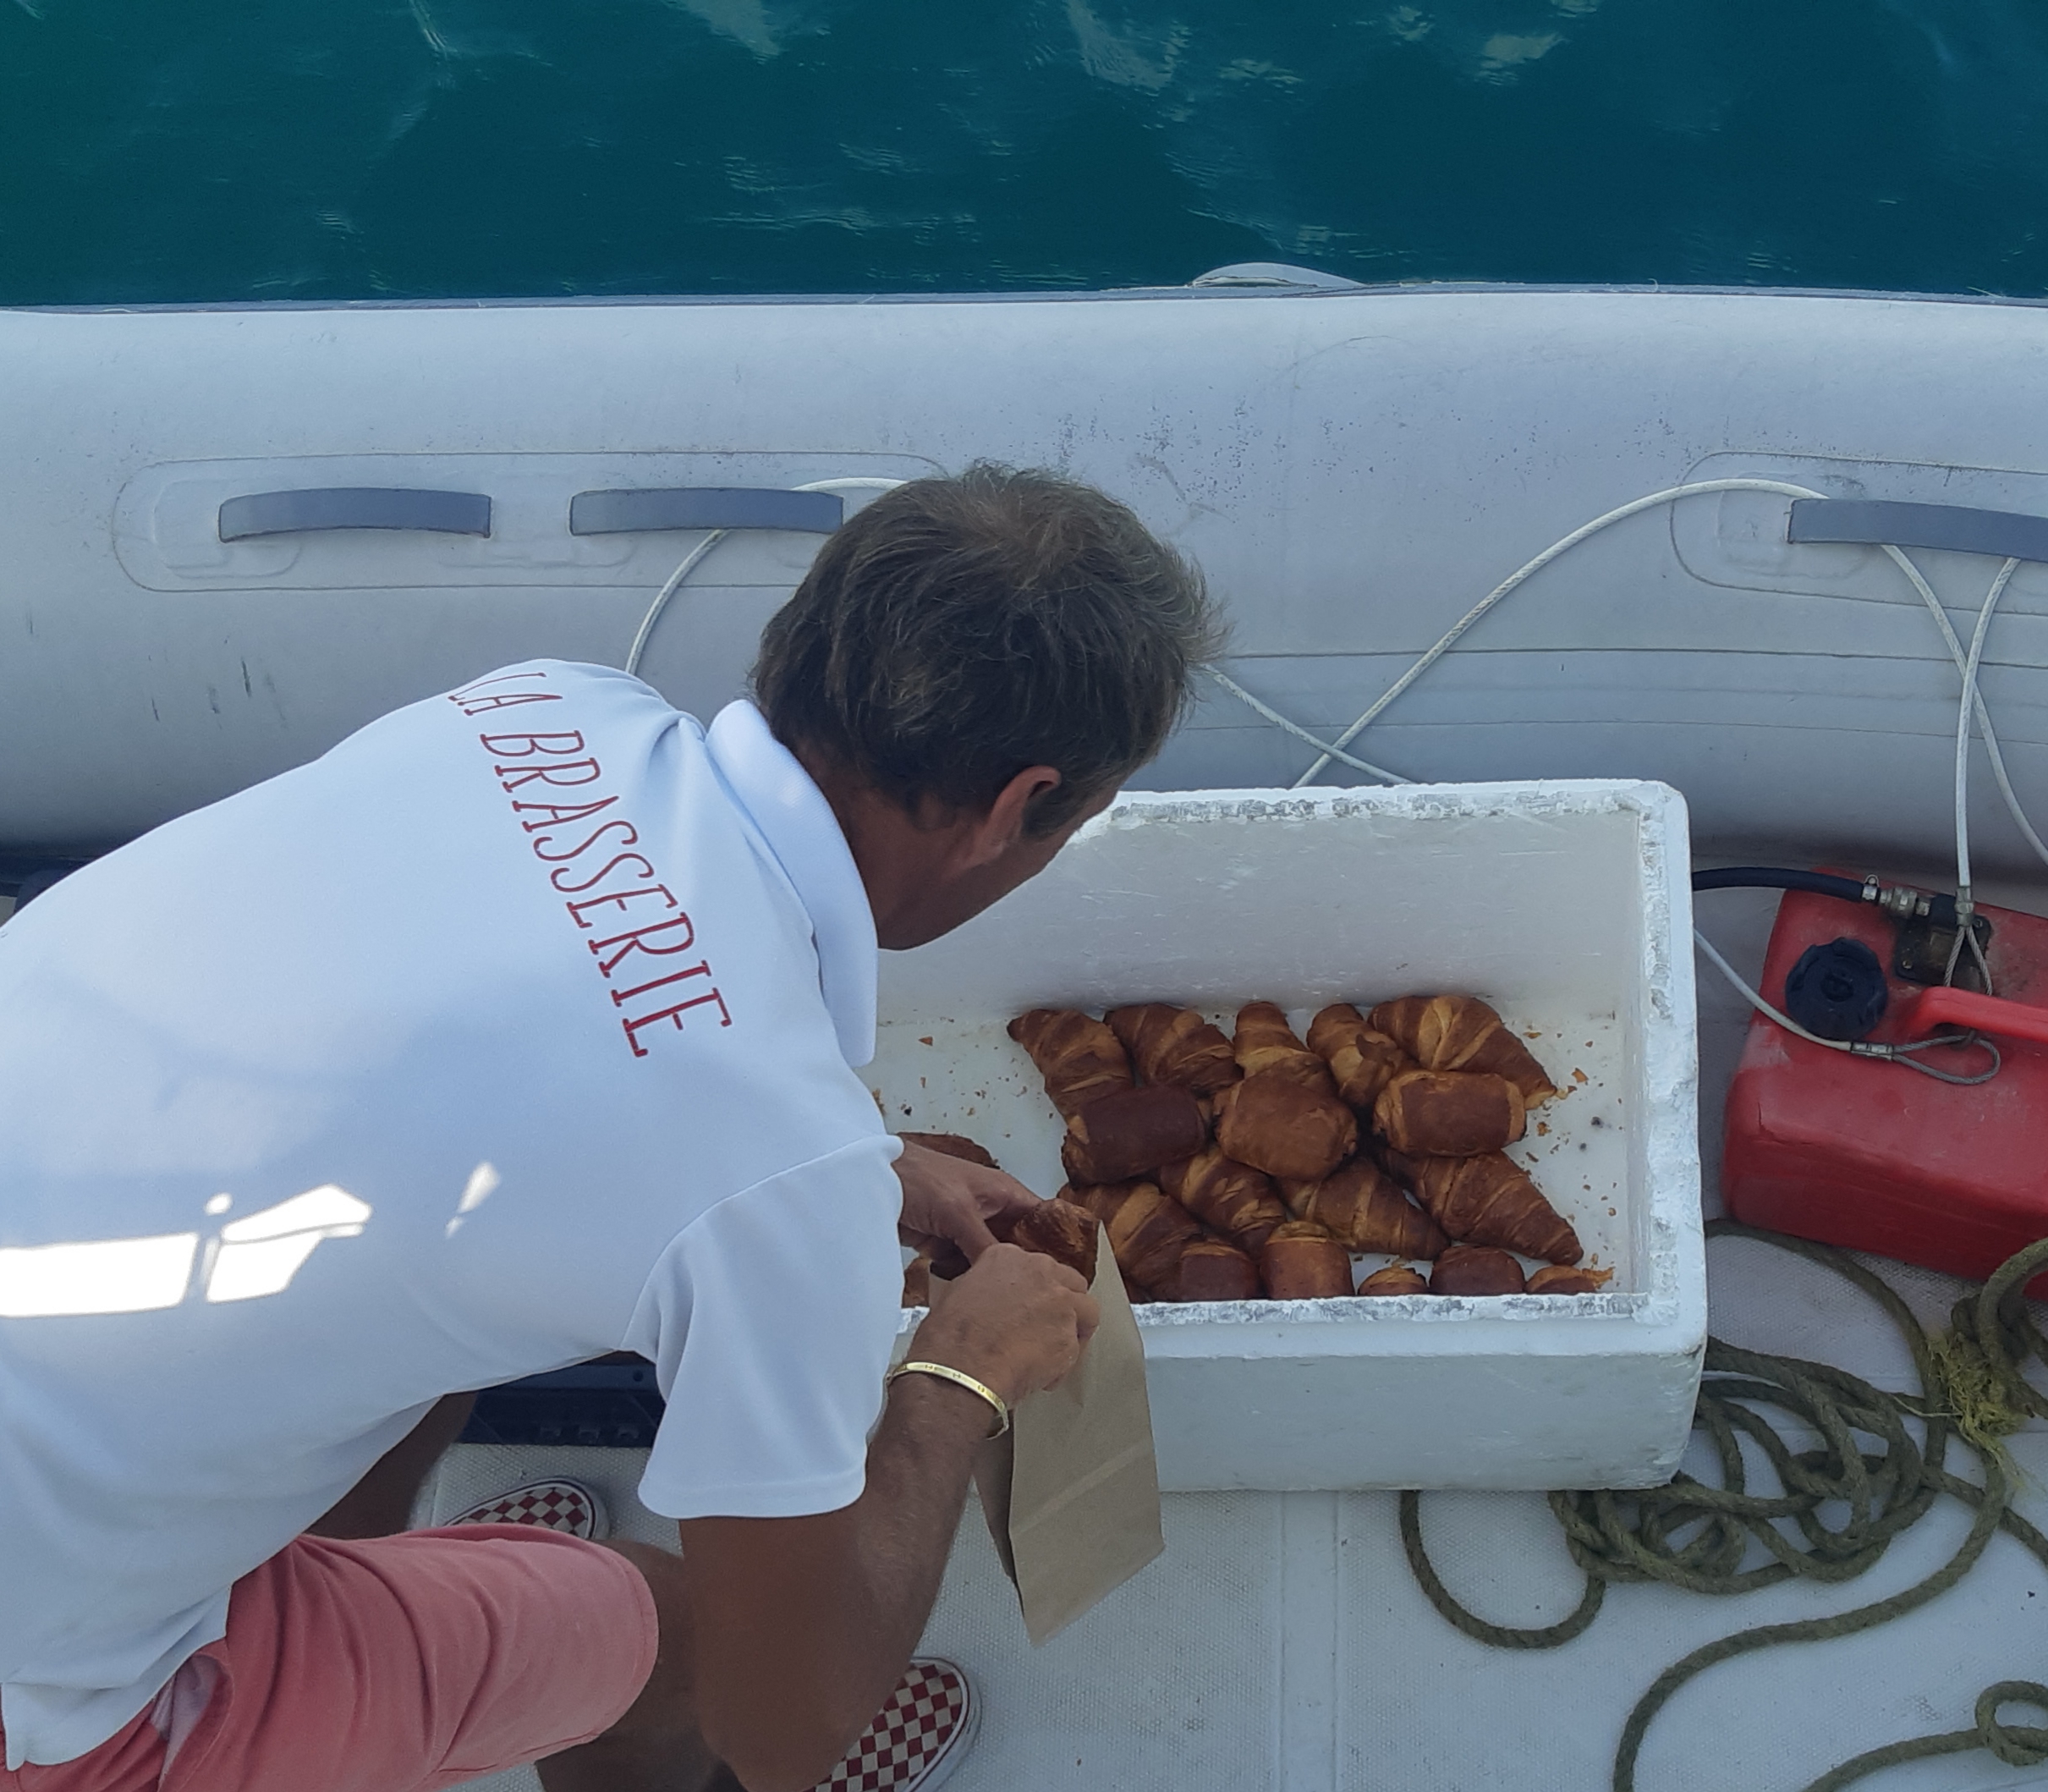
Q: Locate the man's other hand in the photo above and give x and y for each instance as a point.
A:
(793, 1630)
(948, 1203)
(797, 1628)
(1016, 1321)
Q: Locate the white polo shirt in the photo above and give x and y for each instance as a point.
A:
(517, 1029)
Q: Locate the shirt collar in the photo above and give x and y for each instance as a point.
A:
(804, 835)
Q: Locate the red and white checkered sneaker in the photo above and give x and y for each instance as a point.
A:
(921, 1736)
(555, 1505)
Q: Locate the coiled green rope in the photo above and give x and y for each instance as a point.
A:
(1691, 1534)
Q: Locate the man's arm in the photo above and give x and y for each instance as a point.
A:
(802, 1625)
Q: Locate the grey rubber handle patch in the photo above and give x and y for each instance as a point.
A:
(355, 506)
(2010, 534)
(705, 507)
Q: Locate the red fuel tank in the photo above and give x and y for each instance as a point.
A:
(1860, 1152)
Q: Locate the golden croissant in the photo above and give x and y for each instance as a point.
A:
(1448, 1113)
(1363, 1209)
(1147, 1231)
(1488, 1200)
(1079, 1058)
(1174, 1044)
(1276, 1125)
(1064, 1230)
(1301, 1261)
(1212, 1269)
(1462, 1033)
(1362, 1061)
(1267, 1046)
(1132, 1132)
(1475, 1269)
(1227, 1196)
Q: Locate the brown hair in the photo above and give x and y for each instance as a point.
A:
(958, 631)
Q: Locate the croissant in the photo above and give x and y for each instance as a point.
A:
(1301, 1261)
(1147, 1231)
(1265, 1044)
(1061, 1230)
(1462, 1033)
(1174, 1044)
(1212, 1269)
(1448, 1113)
(1395, 1279)
(953, 1144)
(1361, 1207)
(1277, 1126)
(1132, 1134)
(1227, 1196)
(1488, 1200)
(1361, 1060)
(1474, 1269)
(1080, 1058)
(1559, 1278)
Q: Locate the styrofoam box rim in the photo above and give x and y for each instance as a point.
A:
(1667, 1318)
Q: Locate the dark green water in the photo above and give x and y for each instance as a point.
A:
(315, 149)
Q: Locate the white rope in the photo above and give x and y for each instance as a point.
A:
(1966, 906)
(1327, 752)
(1901, 1054)
(1960, 656)
(1451, 637)
(1969, 664)
(668, 591)
(694, 558)
(1300, 732)
(1757, 1002)
(1965, 716)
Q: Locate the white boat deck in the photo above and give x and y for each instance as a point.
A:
(1280, 1644)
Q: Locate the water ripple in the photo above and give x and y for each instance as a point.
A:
(367, 147)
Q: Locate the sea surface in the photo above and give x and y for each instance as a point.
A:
(230, 150)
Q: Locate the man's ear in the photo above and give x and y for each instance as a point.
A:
(1004, 824)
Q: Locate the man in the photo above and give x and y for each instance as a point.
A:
(520, 1028)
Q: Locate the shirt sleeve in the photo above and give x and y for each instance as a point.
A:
(770, 1319)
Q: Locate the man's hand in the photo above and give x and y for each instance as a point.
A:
(948, 1203)
(798, 1627)
(1016, 1321)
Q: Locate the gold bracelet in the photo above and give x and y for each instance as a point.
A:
(960, 1379)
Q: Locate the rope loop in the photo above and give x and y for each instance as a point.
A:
(2016, 1745)
(1499, 1637)
(1838, 1505)
(2002, 1328)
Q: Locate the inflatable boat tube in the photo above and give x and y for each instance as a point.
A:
(229, 536)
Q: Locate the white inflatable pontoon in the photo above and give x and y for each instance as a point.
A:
(229, 535)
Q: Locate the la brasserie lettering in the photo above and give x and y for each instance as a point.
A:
(637, 928)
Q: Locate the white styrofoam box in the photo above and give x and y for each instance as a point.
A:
(1567, 905)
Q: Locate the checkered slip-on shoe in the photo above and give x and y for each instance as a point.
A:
(919, 1737)
(555, 1505)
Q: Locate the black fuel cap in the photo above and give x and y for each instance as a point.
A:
(1836, 989)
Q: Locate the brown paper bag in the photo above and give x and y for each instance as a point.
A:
(1071, 1494)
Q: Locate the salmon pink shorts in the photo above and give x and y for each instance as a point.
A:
(396, 1664)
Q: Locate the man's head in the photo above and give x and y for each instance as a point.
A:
(971, 668)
